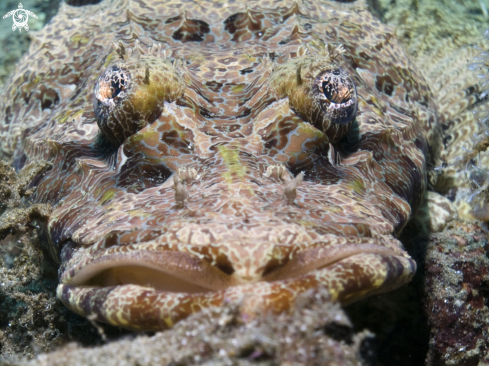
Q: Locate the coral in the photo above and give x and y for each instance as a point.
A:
(457, 295)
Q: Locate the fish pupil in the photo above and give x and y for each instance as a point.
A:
(116, 86)
(335, 91)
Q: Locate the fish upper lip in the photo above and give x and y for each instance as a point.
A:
(196, 274)
(319, 257)
(174, 263)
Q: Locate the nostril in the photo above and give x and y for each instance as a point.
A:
(224, 264)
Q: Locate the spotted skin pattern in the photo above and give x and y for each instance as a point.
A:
(237, 123)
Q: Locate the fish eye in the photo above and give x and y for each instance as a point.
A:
(319, 91)
(110, 93)
(111, 84)
(131, 94)
(337, 95)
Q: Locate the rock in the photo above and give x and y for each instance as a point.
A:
(457, 295)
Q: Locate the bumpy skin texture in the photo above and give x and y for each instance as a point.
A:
(189, 211)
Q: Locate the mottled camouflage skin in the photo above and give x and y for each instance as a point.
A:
(134, 253)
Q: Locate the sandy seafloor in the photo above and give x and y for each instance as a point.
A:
(440, 318)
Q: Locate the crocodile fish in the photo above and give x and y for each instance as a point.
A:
(209, 151)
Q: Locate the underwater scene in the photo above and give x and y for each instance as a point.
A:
(229, 182)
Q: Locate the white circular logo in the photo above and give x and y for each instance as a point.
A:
(20, 17)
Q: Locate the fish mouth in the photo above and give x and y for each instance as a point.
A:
(139, 304)
(155, 266)
(146, 286)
